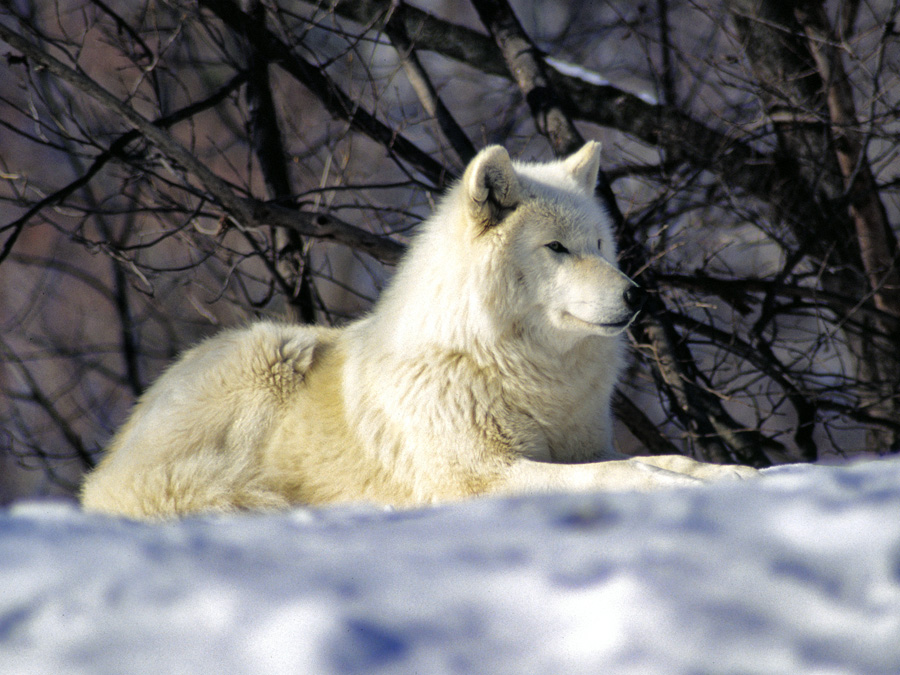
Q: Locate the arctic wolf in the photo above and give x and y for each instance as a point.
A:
(486, 367)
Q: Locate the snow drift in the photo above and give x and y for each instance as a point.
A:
(795, 572)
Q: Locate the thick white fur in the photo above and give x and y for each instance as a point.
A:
(486, 367)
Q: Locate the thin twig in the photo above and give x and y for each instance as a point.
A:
(247, 211)
(422, 85)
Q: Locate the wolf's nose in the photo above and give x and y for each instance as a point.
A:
(635, 297)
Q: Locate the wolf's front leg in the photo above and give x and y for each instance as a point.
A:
(703, 471)
(532, 476)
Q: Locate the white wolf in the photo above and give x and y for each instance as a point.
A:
(487, 366)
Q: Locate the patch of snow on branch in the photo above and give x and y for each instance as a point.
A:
(591, 77)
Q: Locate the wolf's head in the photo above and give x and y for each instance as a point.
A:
(547, 245)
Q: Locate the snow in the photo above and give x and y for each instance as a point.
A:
(795, 572)
(591, 77)
(575, 70)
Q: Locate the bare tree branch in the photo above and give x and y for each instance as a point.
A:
(268, 145)
(639, 424)
(215, 185)
(250, 213)
(395, 27)
(37, 395)
(116, 150)
(877, 241)
(526, 65)
(805, 93)
(338, 103)
(679, 136)
(327, 227)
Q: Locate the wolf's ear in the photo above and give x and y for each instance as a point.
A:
(491, 187)
(584, 165)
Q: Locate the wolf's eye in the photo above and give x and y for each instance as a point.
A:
(557, 247)
(600, 245)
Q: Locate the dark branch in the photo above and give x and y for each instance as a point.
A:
(248, 212)
(526, 65)
(335, 100)
(116, 151)
(425, 90)
(265, 135)
(652, 441)
(678, 135)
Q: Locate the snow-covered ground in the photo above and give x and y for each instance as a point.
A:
(796, 572)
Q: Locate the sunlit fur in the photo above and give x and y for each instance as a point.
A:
(487, 366)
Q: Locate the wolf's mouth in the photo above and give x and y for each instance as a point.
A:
(613, 326)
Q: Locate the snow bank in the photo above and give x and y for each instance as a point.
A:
(796, 572)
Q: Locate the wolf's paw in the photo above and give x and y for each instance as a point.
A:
(738, 472)
(699, 470)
